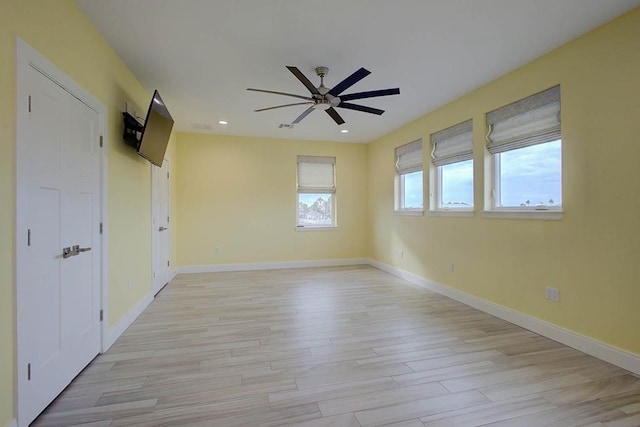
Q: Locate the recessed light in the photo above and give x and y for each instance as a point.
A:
(344, 131)
(223, 122)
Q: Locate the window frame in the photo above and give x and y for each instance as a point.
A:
(496, 185)
(399, 177)
(400, 194)
(437, 199)
(543, 109)
(314, 190)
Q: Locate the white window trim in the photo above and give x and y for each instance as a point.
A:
(437, 209)
(316, 228)
(515, 212)
(313, 190)
(399, 199)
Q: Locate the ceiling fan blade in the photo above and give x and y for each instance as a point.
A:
(303, 115)
(303, 79)
(371, 94)
(360, 108)
(335, 116)
(349, 81)
(281, 93)
(281, 106)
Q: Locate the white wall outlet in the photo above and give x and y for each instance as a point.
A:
(401, 253)
(552, 294)
(218, 250)
(129, 284)
(450, 267)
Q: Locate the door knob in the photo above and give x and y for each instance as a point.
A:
(162, 228)
(76, 249)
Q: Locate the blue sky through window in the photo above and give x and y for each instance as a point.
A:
(531, 175)
(413, 194)
(457, 185)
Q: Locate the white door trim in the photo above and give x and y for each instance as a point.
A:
(162, 279)
(26, 58)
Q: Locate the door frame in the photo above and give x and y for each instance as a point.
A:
(157, 283)
(27, 58)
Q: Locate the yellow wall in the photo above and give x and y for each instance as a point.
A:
(592, 254)
(59, 31)
(239, 194)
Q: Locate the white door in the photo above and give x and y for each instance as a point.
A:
(161, 223)
(58, 294)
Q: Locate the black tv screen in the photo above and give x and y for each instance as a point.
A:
(156, 132)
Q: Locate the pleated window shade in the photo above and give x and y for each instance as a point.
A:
(530, 121)
(316, 174)
(453, 144)
(409, 157)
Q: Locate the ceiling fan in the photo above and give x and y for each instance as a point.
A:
(323, 98)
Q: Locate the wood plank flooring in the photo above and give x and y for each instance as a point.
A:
(344, 346)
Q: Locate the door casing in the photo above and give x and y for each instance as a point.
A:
(26, 58)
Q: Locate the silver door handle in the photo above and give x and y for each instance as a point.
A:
(66, 252)
(76, 249)
(162, 228)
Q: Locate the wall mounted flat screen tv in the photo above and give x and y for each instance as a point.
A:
(154, 134)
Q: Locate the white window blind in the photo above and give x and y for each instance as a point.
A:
(316, 174)
(530, 121)
(409, 157)
(453, 144)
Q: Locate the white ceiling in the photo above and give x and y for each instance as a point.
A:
(203, 54)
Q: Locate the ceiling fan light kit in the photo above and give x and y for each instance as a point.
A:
(323, 98)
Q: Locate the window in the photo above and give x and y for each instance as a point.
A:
(452, 156)
(316, 192)
(409, 179)
(525, 143)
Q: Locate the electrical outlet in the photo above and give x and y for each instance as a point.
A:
(451, 267)
(129, 284)
(401, 254)
(552, 294)
(218, 250)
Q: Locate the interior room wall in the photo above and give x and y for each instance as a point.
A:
(592, 254)
(239, 194)
(61, 33)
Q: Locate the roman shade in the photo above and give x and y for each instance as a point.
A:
(453, 144)
(316, 174)
(530, 121)
(409, 157)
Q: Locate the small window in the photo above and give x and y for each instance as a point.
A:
(452, 156)
(525, 144)
(316, 192)
(409, 178)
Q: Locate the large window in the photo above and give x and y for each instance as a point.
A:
(316, 192)
(409, 192)
(452, 155)
(525, 143)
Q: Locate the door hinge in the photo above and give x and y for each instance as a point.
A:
(101, 228)
(154, 274)
(168, 263)
(29, 103)
(167, 219)
(101, 315)
(29, 237)
(100, 141)
(28, 371)
(167, 175)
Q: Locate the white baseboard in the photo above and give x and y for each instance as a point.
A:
(114, 333)
(216, 268)
(606, 352)
(13, 423)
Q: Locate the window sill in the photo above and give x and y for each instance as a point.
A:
(522, 214)
(316, 228)
(409, 213)
(453, 213)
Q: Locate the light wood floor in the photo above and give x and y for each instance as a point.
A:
(346, 346)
